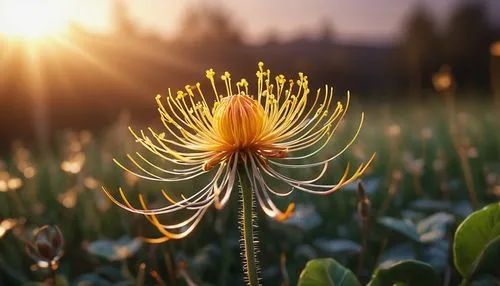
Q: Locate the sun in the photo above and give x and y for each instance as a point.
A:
(32, 18)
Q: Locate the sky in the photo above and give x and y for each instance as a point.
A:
(352, 19)
(369, 20)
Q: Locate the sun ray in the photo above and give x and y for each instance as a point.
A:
(32, 19)
(101, 65)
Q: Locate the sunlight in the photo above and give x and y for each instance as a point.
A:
(32, 18)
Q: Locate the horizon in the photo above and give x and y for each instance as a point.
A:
(353, 21)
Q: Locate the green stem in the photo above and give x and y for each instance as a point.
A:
(247, 229)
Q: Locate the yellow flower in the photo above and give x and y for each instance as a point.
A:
(241, 132)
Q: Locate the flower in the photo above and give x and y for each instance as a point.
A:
(46, 247)
(240, 134)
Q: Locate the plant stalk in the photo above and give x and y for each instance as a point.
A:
(53, 274)
(364, 241)
(248, 247)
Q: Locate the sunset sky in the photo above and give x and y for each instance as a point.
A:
(353, 20)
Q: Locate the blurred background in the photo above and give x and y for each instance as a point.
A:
(75, 74)
(78, 64)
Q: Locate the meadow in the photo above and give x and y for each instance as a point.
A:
(436, 163)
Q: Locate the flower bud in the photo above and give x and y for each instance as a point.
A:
(46, 247)
(364, 204)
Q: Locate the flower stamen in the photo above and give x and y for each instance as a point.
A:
(257, 133)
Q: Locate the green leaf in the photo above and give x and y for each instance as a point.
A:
(485, 280)
(427, 230)
(114, 250)
(433, 228)
(407, 272)
(399, 252)
(404, 227)
(477, 241)
(327, 272)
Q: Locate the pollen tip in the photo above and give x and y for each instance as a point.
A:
(218, 206)
(287, 214)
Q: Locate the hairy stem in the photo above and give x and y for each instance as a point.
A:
(249, 239)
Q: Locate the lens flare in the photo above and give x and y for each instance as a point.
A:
(32, 18)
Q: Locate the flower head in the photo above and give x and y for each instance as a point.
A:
(257, 134)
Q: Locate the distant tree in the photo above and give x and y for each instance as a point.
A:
(209, 24)
(272, 38)
(420, 48)
(326, 32)
(122, 22)
(466, 45)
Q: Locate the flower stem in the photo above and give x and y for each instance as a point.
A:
(53, 275)
(249, 238)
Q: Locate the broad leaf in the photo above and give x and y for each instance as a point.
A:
(477, 241)
(115, 249)
(437, 255)
(404, 227)
(408, 272)
(433, 228)
(397, 253)
(326, 272)
(427, 230)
